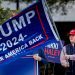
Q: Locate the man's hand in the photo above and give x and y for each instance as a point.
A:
(36, 57)
(67, 57)
(66, 64)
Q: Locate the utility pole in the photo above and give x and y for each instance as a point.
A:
(17, 4)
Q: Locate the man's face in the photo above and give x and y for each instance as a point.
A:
(72, 38)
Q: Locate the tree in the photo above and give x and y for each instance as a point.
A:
(57, 4)
(5, 14)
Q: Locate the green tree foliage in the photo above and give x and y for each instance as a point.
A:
(51, 2)
(57, 4)
(4, 15)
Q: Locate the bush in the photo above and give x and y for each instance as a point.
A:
(4, 15)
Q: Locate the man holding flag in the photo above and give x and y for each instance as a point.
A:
(67, 57)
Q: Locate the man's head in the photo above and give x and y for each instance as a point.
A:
(72, 36)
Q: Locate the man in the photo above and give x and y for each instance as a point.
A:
(39, 56)
(67, 56)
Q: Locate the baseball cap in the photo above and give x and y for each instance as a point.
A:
(72, 32)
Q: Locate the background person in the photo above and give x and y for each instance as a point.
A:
(67, 56)
(40, 57)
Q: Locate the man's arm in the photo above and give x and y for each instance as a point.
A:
(63, 59)
(40, 56)
(70, 57)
